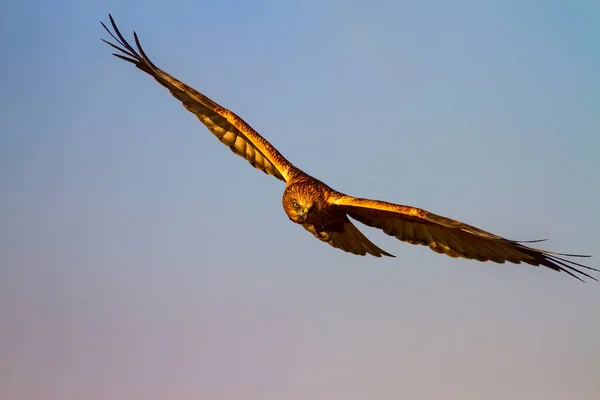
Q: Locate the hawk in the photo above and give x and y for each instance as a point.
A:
(325, 212)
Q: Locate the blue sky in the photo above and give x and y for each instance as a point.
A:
(140, 259)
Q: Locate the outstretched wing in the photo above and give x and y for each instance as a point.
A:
(230, 129)
(453, 238)
(345, 236)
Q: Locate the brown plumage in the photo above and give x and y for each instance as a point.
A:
(323, 211)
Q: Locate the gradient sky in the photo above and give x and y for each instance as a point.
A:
(140, 259)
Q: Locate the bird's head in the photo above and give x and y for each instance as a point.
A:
(298, 203)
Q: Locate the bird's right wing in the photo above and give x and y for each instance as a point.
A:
(230, 129)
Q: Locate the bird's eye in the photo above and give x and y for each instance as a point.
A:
(295, 204)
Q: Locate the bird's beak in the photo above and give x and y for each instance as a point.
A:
(303, 215)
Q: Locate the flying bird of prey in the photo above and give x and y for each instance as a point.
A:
(325, 212)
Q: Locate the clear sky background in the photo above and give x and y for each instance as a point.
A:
(140, 259)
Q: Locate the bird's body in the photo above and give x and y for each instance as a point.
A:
(325, 212)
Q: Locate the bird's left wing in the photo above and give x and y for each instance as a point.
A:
(230, 129)
(447, 236)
